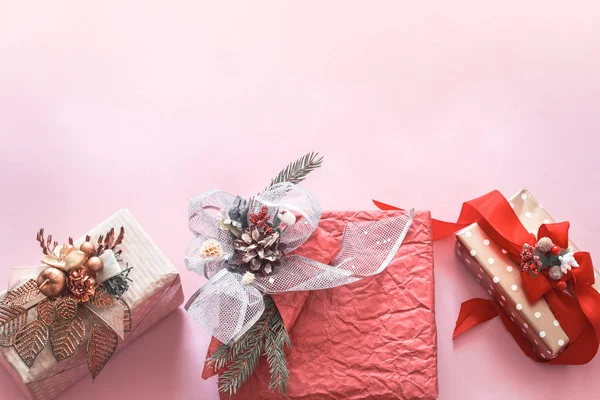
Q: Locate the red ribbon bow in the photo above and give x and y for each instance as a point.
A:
(578, 312)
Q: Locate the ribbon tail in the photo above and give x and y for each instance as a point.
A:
(477, 311)
(385, 207)
(495, 215)
(441, 229)
(472, 313)
(226, 307)
(589, 300)
(367, 249)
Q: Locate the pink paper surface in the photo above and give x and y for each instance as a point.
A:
(145, 104)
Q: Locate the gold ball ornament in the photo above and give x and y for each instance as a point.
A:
(87, 248)
(51, 282)
(94, 265)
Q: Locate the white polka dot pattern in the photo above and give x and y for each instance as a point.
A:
(492, 265)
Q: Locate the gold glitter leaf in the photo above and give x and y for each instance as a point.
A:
(46, 311)
(102, 299)
(100, 348)
(23, 294)
(12, 320)
(31, 340)
(65, 337)
(127, 320)
(66, 307)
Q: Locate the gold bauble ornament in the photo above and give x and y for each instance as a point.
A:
(94, 265)
(87, 248)
(51, 282)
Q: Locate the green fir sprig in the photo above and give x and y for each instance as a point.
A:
(267, 336)
(297, 171)
(277, 338)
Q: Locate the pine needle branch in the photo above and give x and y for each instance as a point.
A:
(276, 339)
(243, 355)
(296, 171)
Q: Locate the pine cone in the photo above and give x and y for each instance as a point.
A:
(257, 251)
(81, 285)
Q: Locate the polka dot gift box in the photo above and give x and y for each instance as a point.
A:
(541, 285)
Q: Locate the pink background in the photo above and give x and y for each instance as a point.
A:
(106, 105)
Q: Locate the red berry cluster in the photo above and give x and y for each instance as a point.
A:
(260, 220)
(530, 262)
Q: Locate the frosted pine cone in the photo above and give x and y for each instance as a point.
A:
(211, 248)
(544, 244)
(257, 251)
(555, 273)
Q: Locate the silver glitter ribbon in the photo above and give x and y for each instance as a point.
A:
(227, 307)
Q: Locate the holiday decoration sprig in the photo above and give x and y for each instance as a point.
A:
(297, 171)
(257, 251)
(64, 293)
(546, 256)
(269, 337)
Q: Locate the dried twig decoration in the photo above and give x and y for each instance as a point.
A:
(47, 245)
(108, 241)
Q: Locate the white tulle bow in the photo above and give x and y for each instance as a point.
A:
(228, 305)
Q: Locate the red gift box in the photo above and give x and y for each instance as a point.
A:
(375, 338)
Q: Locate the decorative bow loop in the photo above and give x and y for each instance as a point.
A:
(558, 232)
(231, 302)
(225, 294)
(536, 287)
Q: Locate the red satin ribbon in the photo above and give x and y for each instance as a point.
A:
(578, 315)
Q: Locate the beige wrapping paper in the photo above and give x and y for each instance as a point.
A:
(154, 293)
(500, 276)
